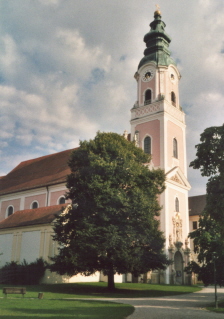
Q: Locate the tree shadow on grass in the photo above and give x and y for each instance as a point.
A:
(100, 290)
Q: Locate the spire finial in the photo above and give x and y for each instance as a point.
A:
(157, 12)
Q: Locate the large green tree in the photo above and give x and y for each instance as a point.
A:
(113, 226)
(209, 237)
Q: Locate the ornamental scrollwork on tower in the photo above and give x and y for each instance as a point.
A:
(176, 179)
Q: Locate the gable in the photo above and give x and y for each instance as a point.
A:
(175, 176)
(28, 217)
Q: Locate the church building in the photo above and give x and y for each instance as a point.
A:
(33, 192)
(158, 127)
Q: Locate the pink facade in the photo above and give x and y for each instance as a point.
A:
(175, 131)
(41, 199)
(54, 198)
(171, 87)
(5, 204)
(152, 129)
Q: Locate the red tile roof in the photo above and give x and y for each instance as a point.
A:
(28, 217)
(43, 171)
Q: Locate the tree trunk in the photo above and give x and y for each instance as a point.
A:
(110, 276)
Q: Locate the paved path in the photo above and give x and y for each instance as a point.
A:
(176, 307)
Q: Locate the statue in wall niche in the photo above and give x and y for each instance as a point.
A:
(136, 138)
(177, 228)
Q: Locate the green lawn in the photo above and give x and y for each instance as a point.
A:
(99, 290)
(47, 308)
(55, 305)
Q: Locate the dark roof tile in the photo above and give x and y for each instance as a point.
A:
(196, 204)
(43, 171)
(28, 217)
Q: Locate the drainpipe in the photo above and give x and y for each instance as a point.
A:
(47, 198)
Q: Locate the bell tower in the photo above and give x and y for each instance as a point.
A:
(158, 127)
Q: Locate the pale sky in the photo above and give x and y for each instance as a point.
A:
(67, 67)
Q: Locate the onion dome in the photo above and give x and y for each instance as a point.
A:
(157, 43)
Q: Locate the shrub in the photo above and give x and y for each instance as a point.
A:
(24, 273)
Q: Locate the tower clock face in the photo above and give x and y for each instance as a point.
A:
(148, 75)
(172, 75)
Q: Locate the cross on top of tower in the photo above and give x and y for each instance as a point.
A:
(157, 12)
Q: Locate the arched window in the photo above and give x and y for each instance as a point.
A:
(175, 148)
(148, 97)
(173, 98)
(177, 205)
(34, 205)
(61, 200)
(10, 211)
(147, 145)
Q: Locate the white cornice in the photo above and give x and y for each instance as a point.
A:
(162, 106)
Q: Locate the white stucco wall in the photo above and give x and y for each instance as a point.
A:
(30, 246)
(6, 241)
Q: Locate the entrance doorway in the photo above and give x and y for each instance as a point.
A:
(178, 264)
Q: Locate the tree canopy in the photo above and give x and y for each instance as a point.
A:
(113, 225)
(210, 152)
(209, 237)
(210, 161)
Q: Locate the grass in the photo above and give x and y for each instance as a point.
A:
(64, 300)
(220, 307)
(99, 290)
(35, 308)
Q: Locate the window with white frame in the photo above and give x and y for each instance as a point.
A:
(34, 205)
(61, 200)
(175, 148)
(147, 145)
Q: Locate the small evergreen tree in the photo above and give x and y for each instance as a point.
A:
(113, 226)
